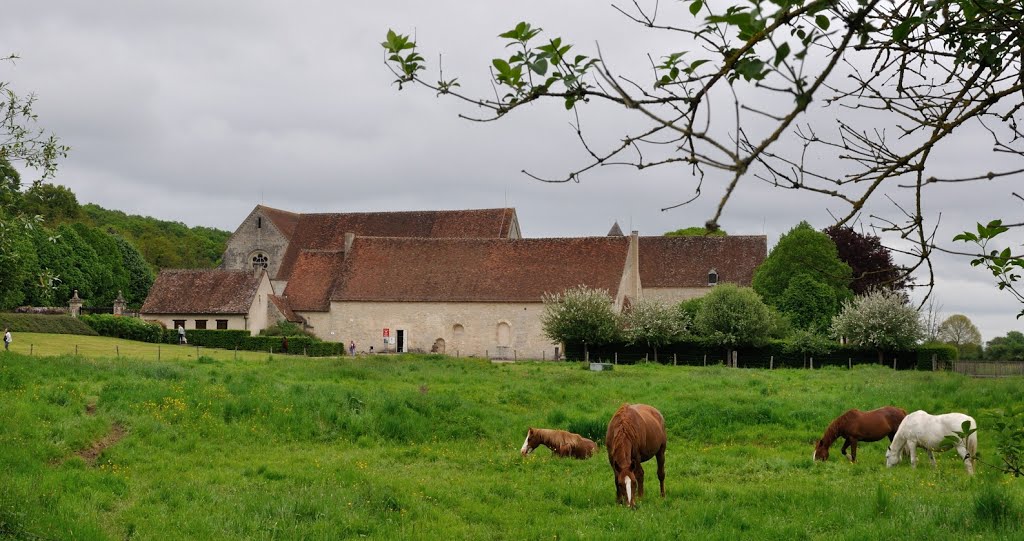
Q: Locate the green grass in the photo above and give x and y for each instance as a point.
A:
(43, 323)
(426, 447)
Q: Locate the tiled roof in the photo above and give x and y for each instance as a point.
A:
(202, 291)
(283, 220)
(685, 261)
(459, 270)
(282, 306)
(327, 231)
(309, 288)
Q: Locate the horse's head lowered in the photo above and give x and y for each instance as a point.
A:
(625, 479)
(893, 455)
(820, 451)
(531, 443)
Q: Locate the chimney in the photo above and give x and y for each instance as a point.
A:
(349, 237)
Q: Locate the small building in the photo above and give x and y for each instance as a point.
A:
(210, 299)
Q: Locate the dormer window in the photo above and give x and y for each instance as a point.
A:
(259, 261)
(712, 277)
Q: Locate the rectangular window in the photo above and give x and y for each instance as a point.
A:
(179, 323)
(200, 323)
(259, 222)
(222, 324)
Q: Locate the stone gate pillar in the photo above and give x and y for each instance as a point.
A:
(119, 304)
(75, 304)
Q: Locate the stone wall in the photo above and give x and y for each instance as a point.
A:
(505, 330)
(256, 234)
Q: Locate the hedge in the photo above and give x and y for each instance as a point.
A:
(238, 339)
(44, 323)
(129, 328)
(773, 354)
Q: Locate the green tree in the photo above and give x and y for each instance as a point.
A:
(809, 260)
(1006, 348)
(56, 204)
(580, 315)
(10, 185)
(654, 324)
(809, 304)
(140, 275)
(731, 316)
(810, 343)
(18, 262)
(959, 331)
(880, 320)
(20, 140)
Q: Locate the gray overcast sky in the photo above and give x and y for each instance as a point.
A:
(195, 111)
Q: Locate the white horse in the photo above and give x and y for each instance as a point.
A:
(920, 428)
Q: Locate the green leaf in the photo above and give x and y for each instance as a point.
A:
(501, 65)
(696, 6)
(822, 22)
(781, 53)
(540, 67)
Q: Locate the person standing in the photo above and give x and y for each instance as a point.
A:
(7, 339)
(181, 335)
(352, 348)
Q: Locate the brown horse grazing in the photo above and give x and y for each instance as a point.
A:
(855, 426)
(635, 434)
(560, 442)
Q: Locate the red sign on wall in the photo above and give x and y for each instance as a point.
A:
(387, 332)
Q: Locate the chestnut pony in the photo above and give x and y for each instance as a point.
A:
(560, 442)
(855, 425)
(635, 434)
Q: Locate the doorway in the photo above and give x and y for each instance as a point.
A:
(400, 340)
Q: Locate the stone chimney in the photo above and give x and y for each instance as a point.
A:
(349, 238)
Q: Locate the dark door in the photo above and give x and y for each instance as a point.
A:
(401, 341)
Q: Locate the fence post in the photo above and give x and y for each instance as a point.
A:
(849, 362)
(117, 350)
(586, 356)
(894, 363)
(771, 362)
(673, 359)
(705, 359)
(515, 355)
(812, 362)
(158, 352)
(31, 349)
(735, 359)
(76, 349)
(616, 357)
(647, 358)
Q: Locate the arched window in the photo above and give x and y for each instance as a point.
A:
(458, 330)
(259, 261)
(504, 334)
(712, 277)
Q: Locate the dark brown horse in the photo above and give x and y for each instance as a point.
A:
(635, 434)
(560, 442)
(855, 426)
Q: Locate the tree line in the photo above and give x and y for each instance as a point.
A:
(50, 245)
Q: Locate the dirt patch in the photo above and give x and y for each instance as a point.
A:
(92, 452)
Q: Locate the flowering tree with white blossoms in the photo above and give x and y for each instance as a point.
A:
(580, 314)
(655, 324)
(881, 320)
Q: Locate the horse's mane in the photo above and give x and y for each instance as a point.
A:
(621, 430)
(832, 432)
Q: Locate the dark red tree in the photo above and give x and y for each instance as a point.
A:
(872, 263)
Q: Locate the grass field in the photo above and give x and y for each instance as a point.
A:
(426, 447)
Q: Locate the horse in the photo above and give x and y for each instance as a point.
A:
(635, 434)
(561, 443)
(923, 429)
(855, 425)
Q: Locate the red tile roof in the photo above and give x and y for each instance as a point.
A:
(202, 291)
(685, 261)
(282, 306)
(283, 220)
(327, 231)
(456, 270)
(309, 288)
